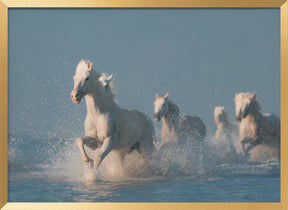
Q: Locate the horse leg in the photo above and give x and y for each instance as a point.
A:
(104, 150)
(252, 145)
(146, 150)
(90, 142)
(243, 142)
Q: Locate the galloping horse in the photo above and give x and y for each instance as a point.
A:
(260, 131)
(226, 131)
(176, 128)
(108, 126)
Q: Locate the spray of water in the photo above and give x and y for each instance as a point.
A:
(58, 159)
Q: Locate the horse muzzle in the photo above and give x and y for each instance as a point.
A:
(76, 97)
(156, 117)
(238, 118)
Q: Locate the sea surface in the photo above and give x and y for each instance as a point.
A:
(50, 169)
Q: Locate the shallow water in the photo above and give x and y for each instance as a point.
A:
(52, 171)
(233, 189)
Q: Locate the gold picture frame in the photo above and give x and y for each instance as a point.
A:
(4, 10)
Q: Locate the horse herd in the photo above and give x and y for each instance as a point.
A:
(109, 127)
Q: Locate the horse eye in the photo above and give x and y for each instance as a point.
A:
(86, 78)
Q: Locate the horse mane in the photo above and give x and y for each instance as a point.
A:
(255, 103)
(243, 99)
(173, 109)
(112, 90)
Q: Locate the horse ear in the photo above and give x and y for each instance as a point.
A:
(166, 95)
(254, 95)
(89, 65)
(110, 77)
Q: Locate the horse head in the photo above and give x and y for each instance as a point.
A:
(220, 115)
(82, 81)
(245, 104)
(160, 106)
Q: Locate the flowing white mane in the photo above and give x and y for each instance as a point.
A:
(244, 99)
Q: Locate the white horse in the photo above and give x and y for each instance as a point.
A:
(108, 126)
(176, 128)
(226, 131)
(260, 131)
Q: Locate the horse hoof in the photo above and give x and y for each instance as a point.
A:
(85, 159)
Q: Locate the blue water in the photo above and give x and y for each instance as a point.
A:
(52, 171)
(233, 189)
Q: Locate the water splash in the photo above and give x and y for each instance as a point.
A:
(57, 159)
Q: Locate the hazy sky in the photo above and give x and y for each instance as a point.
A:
(203, 57)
